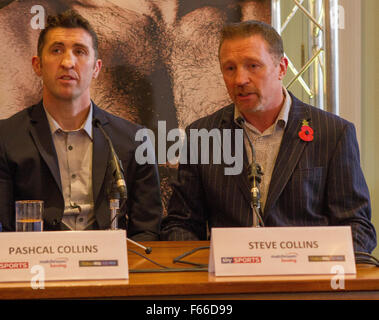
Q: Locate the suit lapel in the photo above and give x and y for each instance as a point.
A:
(41, 135)
(227, 122)
(289, 154)
(100, 153)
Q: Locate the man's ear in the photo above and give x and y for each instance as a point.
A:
(283, 65)
(97, 68)
(37, 66)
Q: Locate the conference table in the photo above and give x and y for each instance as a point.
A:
(176, 280)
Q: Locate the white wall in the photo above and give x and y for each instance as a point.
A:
(350, 61)
(370, 105)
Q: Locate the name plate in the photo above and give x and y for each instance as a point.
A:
(281, 251)
(63, 255)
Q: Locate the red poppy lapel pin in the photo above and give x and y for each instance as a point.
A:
(306, 132)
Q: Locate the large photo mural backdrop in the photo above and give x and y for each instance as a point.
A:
(159, 57)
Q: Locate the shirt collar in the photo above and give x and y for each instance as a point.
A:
(86, 126)
(283, 114)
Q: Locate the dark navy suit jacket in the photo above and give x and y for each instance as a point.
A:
(316, 183)
(29, 170)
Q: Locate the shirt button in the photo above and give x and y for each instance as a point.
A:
(81, 219)
(70, 148)
(73, 176)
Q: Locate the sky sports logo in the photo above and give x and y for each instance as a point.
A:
(241, 260)
(14, 265)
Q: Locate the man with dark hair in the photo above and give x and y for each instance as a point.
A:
(69, 19)
(305, 161)
(55, 151)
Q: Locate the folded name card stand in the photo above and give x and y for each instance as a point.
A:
(63, 255)
(281, 251)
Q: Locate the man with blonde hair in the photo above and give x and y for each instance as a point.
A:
(302, 164)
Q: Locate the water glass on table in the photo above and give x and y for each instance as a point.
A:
(29, 215)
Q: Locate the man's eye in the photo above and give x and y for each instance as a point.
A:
(80, 52)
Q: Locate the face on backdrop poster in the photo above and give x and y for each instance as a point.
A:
(160, 57)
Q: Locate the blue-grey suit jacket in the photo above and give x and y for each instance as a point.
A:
(29, 170)
(316, 183)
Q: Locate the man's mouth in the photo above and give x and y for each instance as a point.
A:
(67, 77)
(245, 95)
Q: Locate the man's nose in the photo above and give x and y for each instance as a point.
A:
(68, 60)
(241, 77)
